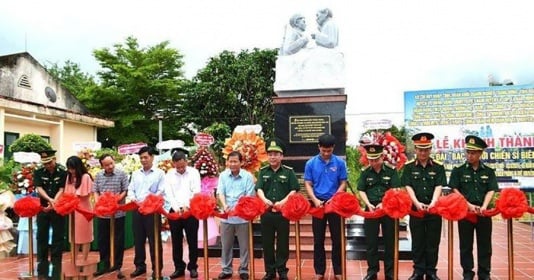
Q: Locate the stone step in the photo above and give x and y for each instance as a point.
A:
(355, 242)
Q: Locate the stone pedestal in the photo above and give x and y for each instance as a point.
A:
(301, 119)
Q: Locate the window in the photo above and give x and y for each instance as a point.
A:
(9, 138)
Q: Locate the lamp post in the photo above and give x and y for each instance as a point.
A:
(159, 116)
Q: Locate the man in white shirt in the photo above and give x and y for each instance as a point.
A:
(180, 184)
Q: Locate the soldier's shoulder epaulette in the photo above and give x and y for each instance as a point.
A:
(389, 165)
(61, 167)
(264, 167)
(39, 169)
(288, 167)
(366, 167)
(437, 162)
(410, 161)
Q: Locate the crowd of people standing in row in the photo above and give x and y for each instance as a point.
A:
(324, 175)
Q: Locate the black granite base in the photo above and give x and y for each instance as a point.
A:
(300, 120)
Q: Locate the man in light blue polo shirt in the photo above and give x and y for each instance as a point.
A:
(234, 183)
(324, 175)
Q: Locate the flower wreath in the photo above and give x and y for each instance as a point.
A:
(393, 149)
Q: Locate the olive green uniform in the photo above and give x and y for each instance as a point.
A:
(425, 231)
(276, 185)
(50, 183)
(375, 186)
(473, 185)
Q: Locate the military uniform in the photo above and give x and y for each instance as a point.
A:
(425, 231)
(375, 184)
(276, 185)
(474, 184)
(51, 183)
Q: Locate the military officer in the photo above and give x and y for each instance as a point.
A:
(374, 181)
(477, 183)
(276, 182)
(49, 181)
(424, 177)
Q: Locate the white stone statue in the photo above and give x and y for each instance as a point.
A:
(328, 35)
(294, 37)
(308, 67)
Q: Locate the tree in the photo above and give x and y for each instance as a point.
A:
(74, 80)
(234, 89)
(136, 84)
(30, 143)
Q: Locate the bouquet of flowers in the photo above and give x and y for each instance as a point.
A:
(251, 146)
(88, 159)
(393, 149)
(23, 179)
(204, 161)
(130, 163)
(165, 165)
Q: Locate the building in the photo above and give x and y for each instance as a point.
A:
(32, 101)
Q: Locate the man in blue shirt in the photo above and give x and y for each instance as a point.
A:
(324, 175)
(146, 180)
(234, 183)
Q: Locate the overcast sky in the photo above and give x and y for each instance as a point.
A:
(390, 46)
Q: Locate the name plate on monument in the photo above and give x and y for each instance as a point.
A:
(306, 129)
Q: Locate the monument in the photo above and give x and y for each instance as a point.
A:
(310, 88)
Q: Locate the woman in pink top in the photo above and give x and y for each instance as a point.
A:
(79, 182)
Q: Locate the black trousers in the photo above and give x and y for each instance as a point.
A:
(104, 240)
(426, 235)
(466, 230)
(319, 255)
(143, 228)
(190, 226)
(275, 226)
(371, 228)
(44, 222)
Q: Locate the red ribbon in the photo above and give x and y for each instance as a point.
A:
(396, 203)
(248, 208)
(202, 206)
(452, 207)
(27, 206)
(66, 203)
(295, 207)
(107, 204)
(152, 204)
(176, 215)
(512, 203)
(344, 204)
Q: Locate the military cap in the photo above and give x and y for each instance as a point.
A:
(275, 146)
(47, 156)
(423, 140)
(373, 151)
(474, 143)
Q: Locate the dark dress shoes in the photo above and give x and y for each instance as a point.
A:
(137, 272)
(176, 274)
(417, 276)
(283, 276)
(193, 273)
(270, 276)
(120, 275)
(223, 275)
(100, 272)
(243, 276)
(432, 276)
(370, 277)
